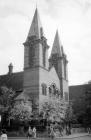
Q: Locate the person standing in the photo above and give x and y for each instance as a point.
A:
(4, 135)
(34, 132)
(52, 133)
(30, 132)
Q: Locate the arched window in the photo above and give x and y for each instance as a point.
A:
(54, 88)
(50, 91)
(44, 89)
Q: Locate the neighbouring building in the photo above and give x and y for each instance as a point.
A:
(77, 95)
(43, 77)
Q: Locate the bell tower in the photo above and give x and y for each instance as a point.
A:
(35, 46)
(58, 59)
(35, 58)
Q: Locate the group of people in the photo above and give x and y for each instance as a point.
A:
(32, 132)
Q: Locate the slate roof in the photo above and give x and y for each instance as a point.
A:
(22, 96)
(14, 81)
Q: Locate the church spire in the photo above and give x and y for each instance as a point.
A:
(36, 26)
(57, 46)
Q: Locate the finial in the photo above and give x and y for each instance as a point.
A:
(36, 4)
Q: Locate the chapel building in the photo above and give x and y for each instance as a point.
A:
(43, 78)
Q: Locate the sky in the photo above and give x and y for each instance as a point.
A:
(72, 18)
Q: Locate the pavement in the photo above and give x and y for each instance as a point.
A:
(76, 135)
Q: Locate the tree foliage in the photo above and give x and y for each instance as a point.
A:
(6, 103)
(21, 111)
(53, 111)
(6, 99)
(69, 115)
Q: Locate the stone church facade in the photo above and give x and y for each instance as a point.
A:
(43, 78)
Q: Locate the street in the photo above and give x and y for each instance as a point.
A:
(78, 138)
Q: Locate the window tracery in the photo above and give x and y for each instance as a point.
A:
(54, 91)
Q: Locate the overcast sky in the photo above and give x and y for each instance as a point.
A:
(72, 18)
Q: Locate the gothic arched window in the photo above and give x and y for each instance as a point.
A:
(54, 88)
(50, 91)
(44, 89)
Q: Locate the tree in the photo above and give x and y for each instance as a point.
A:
(53, 110)
(6, 98)
(6, 102)
(21, 111)
(69, 115)
(70, 118)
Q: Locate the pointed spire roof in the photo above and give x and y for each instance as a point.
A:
(57, 46)
(36, 26)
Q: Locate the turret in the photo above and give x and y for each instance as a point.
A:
(10, 69)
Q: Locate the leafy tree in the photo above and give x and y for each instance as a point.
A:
(6, 102)
(53, 110)
(69, 118)
(6, 98)
(69, 115)
(21, 111)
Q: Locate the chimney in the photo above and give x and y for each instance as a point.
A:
(10, 69)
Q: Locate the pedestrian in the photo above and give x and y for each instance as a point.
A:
(34, 132)
(89, 130)
(30, 132)
(67, 130)
(49, 131)
(52, 133)
(4, 135)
